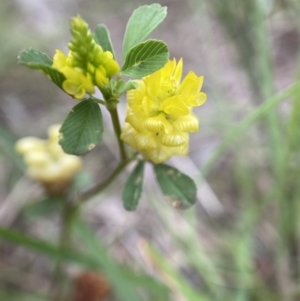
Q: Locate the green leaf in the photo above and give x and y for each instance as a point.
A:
(33, 57)
(179, 283)
(123, 86)
(82, 130)
(37, 60)
(102, 38)
(179, 189)
(141, 23)
(49, 249)
(145, 58)
(150, 287)
(133, 188)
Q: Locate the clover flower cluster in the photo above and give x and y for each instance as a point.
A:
(159, 109)
(159, 112)
(86, 64)
(45, 160)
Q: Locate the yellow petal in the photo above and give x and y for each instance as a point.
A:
(201, 98)
(52, 173)
(196, 100)
(191, 101)
(168, 69)
(167, 89)
(54, 149)
(127, 135)
(178, 72)
(190, 86)
(59, 60)
(182, 150)
(174, 106)
(146, 141)
(100, 77)
(76, 82)
(70, 59)
(140, 141)
(29, 144)
(70, 164)
(150, 106)
(37, 158)
(153, 84)
(73, 89)
(158, 123)
(36, 172)
(158, 155)
(164, 153)
(188, 123)
(87, 83)
(135, 99)
(136, 120)
(176, 138)
(111, 66)
(53, 132)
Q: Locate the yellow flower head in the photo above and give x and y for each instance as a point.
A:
(87, 64)
(159, 112)
(45, 160)
(77, 83)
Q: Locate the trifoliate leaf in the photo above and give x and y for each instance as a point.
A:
(34, 59)
(102, 38)
(145, 58)
(82, 130)
(141, 23)
(133, 188)
(179, 189)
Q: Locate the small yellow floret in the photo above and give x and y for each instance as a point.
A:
(77, 83)
(159, 112)
(86, 65)
(101, 76)
(45, 160)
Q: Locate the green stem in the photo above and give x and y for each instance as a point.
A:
(67, 215)
(117, 128)
(101, 186)
(100, 101)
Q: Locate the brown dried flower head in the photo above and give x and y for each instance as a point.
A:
(90, 286)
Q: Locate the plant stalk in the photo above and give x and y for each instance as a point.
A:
(67, 215)
(101, 186)
(117, 128)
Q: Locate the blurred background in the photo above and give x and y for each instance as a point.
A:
(241, 240)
